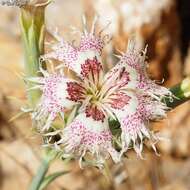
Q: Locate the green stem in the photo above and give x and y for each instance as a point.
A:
(39, 177)
(32, 20)
(37, 180)
(32, 30)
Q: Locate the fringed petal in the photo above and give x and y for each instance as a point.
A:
(64, 52)
(76, 58)
(58, 95)
(134, 117)
(133, 62)
(133, 131)
(85, 134)
(92, 41)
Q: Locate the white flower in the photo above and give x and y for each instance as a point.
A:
(124, 93)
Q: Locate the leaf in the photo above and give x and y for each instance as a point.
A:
(114, 126)
(51, 178)
(18, 115)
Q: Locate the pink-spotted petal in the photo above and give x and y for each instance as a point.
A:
(62, 91)
(64, 52)
(134, 62)
(123, 104)
(92, 73)
(121, 76)
(75, 57)
(91, 42)
(85, 134)
(58, 94)
(133, 130)
(94, 112)
(134, 118)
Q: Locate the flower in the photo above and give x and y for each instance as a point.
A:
(124, 93)
(17, 3)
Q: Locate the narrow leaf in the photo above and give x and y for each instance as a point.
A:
(51, 178)
(18, 115)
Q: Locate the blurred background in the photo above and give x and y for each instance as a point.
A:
(165, 26)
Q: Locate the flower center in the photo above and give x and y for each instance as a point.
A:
(93, 102)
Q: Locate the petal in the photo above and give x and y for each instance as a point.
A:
(121, 76)
(128, 106)
(118, 100)
(90, 40)
(153, 109)
(58, 94)
(134, 118)
(61, 91)
(96, 113)
(151, 88)
(85, 134)
(92, 72)
(64, 52)
(90, 48)
(72, 57)
(75, 58)
(131, 73)
(133, 128)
